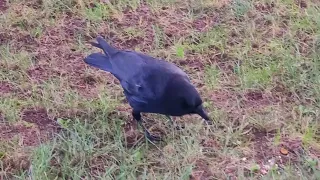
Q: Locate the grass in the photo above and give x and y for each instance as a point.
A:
(255, 63)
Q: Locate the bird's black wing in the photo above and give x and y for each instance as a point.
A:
(143, 78)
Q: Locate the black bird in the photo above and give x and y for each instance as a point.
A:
(150, 85)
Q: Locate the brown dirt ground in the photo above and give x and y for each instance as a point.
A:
(40, 129)
(268, 154)
(263, 149)
(201, 171)
(132, 135)
(1, 117)
(5, 88)
(17, 161)
(3, 5)
(253, 100)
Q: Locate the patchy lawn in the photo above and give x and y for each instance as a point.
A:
(255, 63)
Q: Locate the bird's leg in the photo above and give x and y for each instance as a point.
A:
(208, 122)
(174, 124)
(137, 117)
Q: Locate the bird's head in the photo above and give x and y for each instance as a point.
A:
(192, 103)
(181, 97)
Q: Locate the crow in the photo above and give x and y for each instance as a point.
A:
(150, 85)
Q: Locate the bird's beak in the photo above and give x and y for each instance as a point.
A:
(200, 111)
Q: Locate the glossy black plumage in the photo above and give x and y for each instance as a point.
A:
(150, 85)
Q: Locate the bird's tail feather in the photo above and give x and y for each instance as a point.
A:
(99, 61)
(102, 44)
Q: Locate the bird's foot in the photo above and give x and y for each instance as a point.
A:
(208, 122)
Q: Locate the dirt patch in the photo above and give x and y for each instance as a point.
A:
(225, 62)
(98, 164)
(18, 161)
(255, 99)
(27, 136)
(38, 116)
(198, 62)
(89, 80)
(205, 22)
(221, 4)
(136, 17)
(4, 38)
(262, 146)
(35, 4)
(20, 41)
(223, 99)
(281, 93)
(174, 23)
(315, 151)
(58, 57)
(267, 154)
(265, 26)
(38, 73)
(236, 105)
(302, 3)
(254, 95)
(305, 42)
(3, 5)
(132, 135)
(1, 117)
(210, 143)
(74, 26)
(294, 147)
(142, 18)
(192, 61)
(201, 171)
(36, 128)
(264, 7)
(210, 146)
(5, 88)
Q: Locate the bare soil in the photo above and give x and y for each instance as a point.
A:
(5, 88)
(40, 129)
(3, 5)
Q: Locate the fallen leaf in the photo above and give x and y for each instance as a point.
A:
(284, 151)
